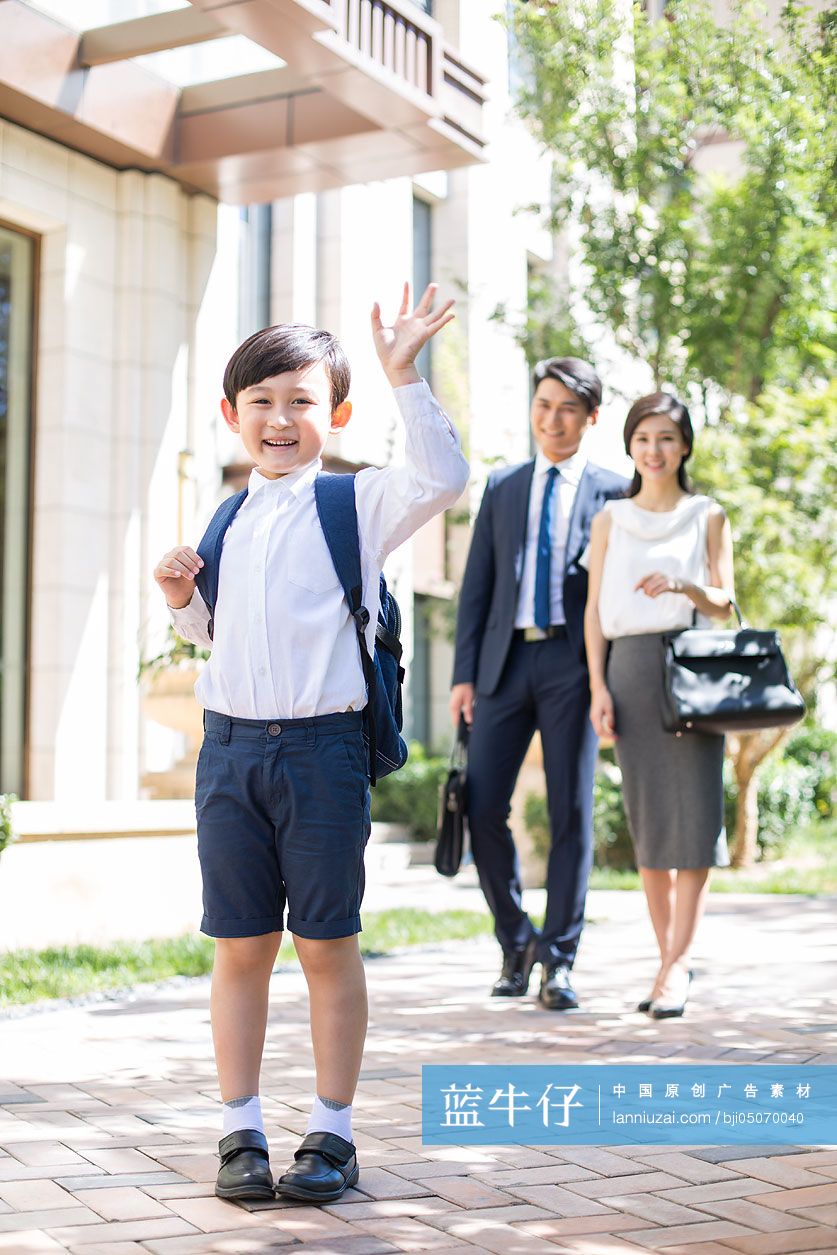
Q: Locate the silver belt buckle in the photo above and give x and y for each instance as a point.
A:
(534, 634)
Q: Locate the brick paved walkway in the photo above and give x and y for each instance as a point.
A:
(108, 1112)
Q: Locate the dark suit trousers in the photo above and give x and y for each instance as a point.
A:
(544, 686)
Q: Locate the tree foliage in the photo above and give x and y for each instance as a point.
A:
(720, 280)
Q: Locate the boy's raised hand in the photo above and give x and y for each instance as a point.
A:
(398, 346)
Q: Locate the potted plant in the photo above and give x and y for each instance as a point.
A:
(168, 698)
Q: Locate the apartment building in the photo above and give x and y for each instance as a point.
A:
(173, 175)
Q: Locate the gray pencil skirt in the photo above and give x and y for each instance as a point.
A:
(673, 785)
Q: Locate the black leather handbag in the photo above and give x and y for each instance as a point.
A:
(719, 681)
(452, 828)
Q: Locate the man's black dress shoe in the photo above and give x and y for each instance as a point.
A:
(513, 981)
(245, 1167)
(556, 992)
(325, 1165)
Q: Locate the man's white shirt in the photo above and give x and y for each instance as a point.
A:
(564, 497)
(284, 642)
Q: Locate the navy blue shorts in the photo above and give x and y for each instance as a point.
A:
(283, 819)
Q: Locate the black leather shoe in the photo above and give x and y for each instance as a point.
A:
(513, 981)
(325, 1165)
(556, 992)
(245, 1166)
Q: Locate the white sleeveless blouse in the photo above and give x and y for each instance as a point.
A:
(642, 541)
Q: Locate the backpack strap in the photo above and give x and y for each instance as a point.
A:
(210, 548)
(337, 511)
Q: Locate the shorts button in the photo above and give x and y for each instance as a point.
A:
(274, 729)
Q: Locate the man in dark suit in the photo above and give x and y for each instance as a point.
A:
(520, 666)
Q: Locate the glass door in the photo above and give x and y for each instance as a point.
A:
(17, 265)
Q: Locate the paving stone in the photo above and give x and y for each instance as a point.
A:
(469, 1193)
(557, 1230)
(129, 1231)
(657, 1239)
(600, 1244)
(12, 1170)
(751, 1213)
(378, 1183)
(562, 1202)
(352, 1211)
(656, 1210)
(682, 1165)
(102, 1181)
(35, 1195)
(408, 1234)
(745, 1187)
(781, 1172)
(122, 1204)
(822, 1215)
(643, 1183)
(29, 1242)
(122, 1160)
(492, 1215)
(604, 1162)
(252, 1242)
(813, 1239)
(43, 1154)
(110, 1248)
(807, 1196)
(489, 1235)
(72, 1214)
(555, 1174)
(213, 1215)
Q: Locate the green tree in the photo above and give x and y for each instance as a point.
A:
(716, 280)
(722, 282)
(773, 466)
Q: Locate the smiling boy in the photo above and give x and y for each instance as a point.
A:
(281, 793)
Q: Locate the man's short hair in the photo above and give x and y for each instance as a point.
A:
(574, 374)
(287, 347)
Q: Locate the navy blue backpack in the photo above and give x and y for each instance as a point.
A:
(384, 675)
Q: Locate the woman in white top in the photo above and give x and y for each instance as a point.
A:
(658, 558)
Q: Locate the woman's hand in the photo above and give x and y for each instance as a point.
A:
(657, 582)
(602, 715)
(399, 345)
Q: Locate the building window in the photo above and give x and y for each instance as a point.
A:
(17, 267)
(423, 271)
(255, 260)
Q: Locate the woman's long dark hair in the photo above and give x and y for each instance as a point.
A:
(660, 403)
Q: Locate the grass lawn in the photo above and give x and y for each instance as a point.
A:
(28, 976)
(809, 865)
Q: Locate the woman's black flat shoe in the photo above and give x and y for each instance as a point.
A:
(324, 1167)
(245, 1166)
(645, 1005)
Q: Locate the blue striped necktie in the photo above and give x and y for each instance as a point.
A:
(544, 557)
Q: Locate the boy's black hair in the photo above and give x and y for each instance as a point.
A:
(286, 347)
(574, 374)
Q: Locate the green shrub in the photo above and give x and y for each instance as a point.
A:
(786, 791)
(815, 747)
(411, 796)
(7, 833)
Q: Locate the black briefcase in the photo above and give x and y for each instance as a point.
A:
(452, 827)
(720, 681)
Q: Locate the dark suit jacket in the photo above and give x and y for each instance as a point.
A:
(488, 599)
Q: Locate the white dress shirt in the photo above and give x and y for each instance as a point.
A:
(563, 497)
(285, 645)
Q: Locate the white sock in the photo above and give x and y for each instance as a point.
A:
(328, 1116)
(243, 1113)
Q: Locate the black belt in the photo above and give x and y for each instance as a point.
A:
(542, 634)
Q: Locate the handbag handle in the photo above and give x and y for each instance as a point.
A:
(459, 752)
(742, 622)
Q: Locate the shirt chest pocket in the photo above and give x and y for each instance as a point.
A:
(311, 567)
